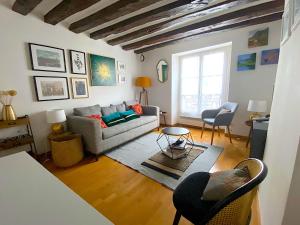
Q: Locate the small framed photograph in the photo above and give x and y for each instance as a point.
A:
(47, 58)
(51, 88)
(78, 62)
(121, 67)
(80, 87)
(295, 14)
(285, 27)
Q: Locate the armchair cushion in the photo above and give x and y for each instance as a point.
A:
(209, 120)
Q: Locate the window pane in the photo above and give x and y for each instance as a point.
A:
(189, 104)
(211, 85)
(190, 86)
(190, 67)
(213, 64)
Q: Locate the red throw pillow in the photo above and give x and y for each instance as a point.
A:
(98, 117)
(137, 108)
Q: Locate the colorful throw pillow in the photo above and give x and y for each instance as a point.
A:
(113, 119)
(223, 183)
(137, 108)
(98, 117)
(129, 115)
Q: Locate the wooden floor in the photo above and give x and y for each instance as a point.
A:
(127, 197)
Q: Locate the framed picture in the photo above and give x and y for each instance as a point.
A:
(258, 38)
(51, 88)
(269, 57)
(103, 71)
(78, 63)
(121, 67)
(295, 14)
(79, 87)
(46, 58)
(121, 72)
(285, 27)
(246, 62)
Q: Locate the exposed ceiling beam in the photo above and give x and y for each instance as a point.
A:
(111, 12)
(225, 5)
(25, 6)
(246, 23)
(166, 11)
(67, 8)
(254, 11)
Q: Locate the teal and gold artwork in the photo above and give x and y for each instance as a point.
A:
(103, 71)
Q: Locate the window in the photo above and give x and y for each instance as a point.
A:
(204, 80)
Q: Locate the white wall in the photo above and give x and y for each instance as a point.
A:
(257, 84)
(283, 141)
(16, 73)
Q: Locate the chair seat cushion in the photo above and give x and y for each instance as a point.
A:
(209, 120)
(187, 197)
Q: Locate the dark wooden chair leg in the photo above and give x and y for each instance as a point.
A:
(229, 134)
(176, 218)
(212, 135)
(203, 126)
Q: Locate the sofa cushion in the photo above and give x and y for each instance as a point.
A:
(108, 110)
(113, 119)
(123, 127)
(98, 117)
(137, 108)
(86, 111)
(120, 107)
(129, 115)
(129, 103)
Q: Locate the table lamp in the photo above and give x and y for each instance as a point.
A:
(257, 107)
(56, 117)
(143, 82)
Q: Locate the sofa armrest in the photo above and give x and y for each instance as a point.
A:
(90, 130)
(150, 110)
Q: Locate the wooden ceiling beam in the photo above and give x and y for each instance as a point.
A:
(67, 8)
(111, 12)
(254, 11)
(246, 23)
(225, 5)
(25, 6)
(166, 11)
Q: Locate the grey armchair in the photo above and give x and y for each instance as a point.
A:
(222, 116)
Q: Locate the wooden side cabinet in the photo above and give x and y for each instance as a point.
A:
(18, 140)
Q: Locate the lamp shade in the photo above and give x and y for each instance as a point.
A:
(56, 116)
(143, 82)
(259, 106)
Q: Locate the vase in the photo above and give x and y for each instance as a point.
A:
(8, 113)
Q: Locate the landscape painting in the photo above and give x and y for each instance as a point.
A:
(269, 57)
(258, 38)
(46, 58)
(103, 71)
(246, 62)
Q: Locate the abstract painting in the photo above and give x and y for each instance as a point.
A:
(80, 87)
(78, 65)
(51, 88)
(258, 38)
(269, 57)
(103, 71)
(46, 58)
(246, 62)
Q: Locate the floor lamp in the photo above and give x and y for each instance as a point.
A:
(143, 82)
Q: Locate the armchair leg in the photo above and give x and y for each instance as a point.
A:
(203, 126)
(176, 218)
(212, 136)
(229, 134)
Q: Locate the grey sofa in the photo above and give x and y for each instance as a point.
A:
(97, 140)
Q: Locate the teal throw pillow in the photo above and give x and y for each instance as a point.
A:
(129, 115)
(113, 119)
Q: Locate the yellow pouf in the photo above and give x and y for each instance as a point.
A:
(67, 150)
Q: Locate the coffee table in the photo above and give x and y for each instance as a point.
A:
(173, 150)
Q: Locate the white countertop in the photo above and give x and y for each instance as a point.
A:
(30, 195)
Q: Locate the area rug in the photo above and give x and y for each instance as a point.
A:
(173, 167)
(134, 153)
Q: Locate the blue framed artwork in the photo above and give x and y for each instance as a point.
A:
(246, 62)
(269, 57)
(103, 71)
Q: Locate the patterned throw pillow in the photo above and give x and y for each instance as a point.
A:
(113, 119)
(137, 108)
(129, 115)
(98, 117)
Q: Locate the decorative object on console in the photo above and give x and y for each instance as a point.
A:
(143, 82)
(51, 88)
(47, 58)
(162, 71)
(80, 87)
(103, 71)
(6, 98)
(56, 117)
(258, 38)
(257, 107)
(269, 57)
(78, 63)
(246, 62)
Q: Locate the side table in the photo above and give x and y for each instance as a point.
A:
(249, 123)
(164, 114)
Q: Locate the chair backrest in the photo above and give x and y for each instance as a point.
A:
(232, 106)
(235, 208)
